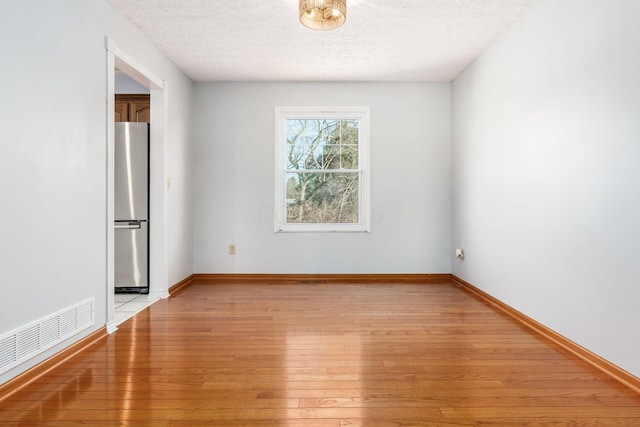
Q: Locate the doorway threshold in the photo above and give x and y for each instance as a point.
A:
(128, 305)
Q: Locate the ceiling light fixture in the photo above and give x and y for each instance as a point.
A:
(323, 14)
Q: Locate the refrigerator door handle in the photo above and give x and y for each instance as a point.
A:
(131, 225)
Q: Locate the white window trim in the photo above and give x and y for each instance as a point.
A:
(282, 114)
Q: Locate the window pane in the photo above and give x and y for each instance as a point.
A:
(331, 156)
(322, 198)
(350, 130)
(302, 147)
(349, 156)
(303, 156)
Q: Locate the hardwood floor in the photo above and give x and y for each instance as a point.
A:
(323, 355)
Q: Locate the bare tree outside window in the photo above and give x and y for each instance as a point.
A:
(322, 171)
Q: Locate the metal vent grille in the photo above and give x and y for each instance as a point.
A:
(8, 350)
(68, 322)
(28, 341)
(36, 337)
(49, 331)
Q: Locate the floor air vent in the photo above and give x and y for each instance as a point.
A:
(32, 339)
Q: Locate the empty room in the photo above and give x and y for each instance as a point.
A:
(322, 213)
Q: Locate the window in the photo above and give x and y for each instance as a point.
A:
(322, 176)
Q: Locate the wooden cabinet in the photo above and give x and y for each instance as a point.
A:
(132, 108)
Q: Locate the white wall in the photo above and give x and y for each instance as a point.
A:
(53, 162)
(127, 85)
(410, 175)
(546, 150)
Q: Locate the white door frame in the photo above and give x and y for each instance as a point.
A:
(158, 271)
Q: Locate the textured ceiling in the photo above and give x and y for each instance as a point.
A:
(262, 40)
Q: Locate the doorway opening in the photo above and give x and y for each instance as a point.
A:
(120, 63)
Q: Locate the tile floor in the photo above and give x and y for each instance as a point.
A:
(126, 305)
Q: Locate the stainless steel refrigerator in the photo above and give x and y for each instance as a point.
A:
(131, 256)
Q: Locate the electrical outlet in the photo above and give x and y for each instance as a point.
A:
(232, 249)
(459, 254)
